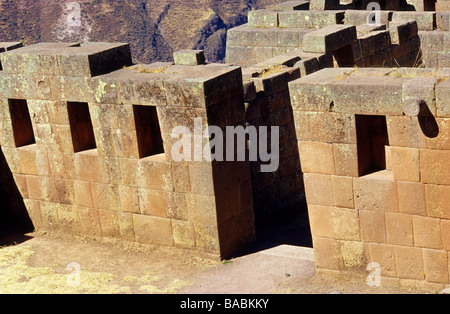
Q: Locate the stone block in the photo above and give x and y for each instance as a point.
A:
(126, 228)
(334, 222)
(153, 230)
(105, 196)
(318, 189)
(438, 198)
(153, 203)
(263, 18)
(346, 159)
(189, 57)
(183, 233)
(207, 238)
(434, 166)
(409, 262)
(427, 232)
(129, 199)
(90, 221)
(343, 191)
(373, 226)
(419, 96)
(201, 178)
(405, 163)
(411, 198)
(42, 188)
(329, 38)
(110, 223)
(435, 264)
(443, 21)
(87, 166)
(405, 132)
(445, 227)
(177, 206)
(328, 253)
(244, 56)
(66, 191)
(377, 191)
(443, 99)
(426, 21)
(384, 255)
(325, 127)
(83, 194)
(442, 140)
(49, 215)
(313, 92)
(316, 157)
(360, 17)
(402, 30)
(371, 96)
(399, 229)
(156, 174)
(309, 19)
(374, 42)
(201, 209)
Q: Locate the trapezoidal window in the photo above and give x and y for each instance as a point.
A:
(81, 126)
(21, 122)
(372, 138)
(148, 131)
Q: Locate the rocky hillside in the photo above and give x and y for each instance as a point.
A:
(154, 28)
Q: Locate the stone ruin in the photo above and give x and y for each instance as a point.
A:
(363, 111)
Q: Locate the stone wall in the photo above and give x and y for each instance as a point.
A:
(376, 172)
(401, 39)
(88, 139)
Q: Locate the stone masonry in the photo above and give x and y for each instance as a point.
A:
(363, 114)
(87, 137)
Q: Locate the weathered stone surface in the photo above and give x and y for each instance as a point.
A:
(402, 30)
(309, 19)
(329, 39)
(189, 57)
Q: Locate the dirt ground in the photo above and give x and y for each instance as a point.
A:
(60, 264)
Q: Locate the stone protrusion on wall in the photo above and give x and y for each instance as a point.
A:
(123, 180)
(329, 39)
(384, 204)
(65, 59)
(189, 57)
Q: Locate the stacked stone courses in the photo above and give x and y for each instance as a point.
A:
(111, 190)
(398, 217)
(402, 38)
(363, 112)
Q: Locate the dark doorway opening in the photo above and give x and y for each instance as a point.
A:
(83, 137)
(148, 131)
(15, 222)
(21, 122)
(372, 139)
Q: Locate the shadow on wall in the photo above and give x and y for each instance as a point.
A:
(14, 218)
(428, 124)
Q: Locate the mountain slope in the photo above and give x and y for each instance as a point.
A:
(153, 28)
